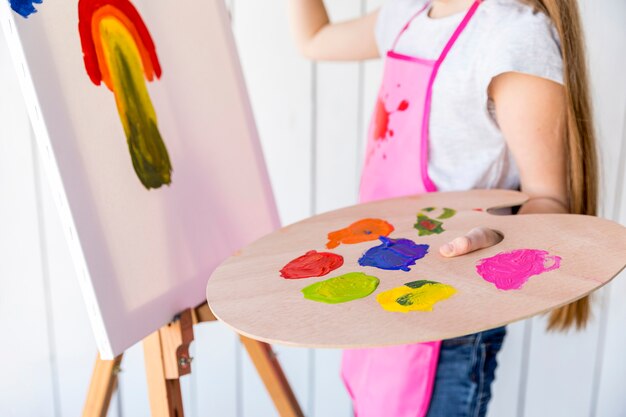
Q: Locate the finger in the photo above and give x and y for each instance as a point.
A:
(477, 238)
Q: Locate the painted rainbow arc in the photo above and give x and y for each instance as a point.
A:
(119, 52)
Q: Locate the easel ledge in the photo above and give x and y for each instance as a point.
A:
(166, 355)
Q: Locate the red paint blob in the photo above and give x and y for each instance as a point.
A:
(428, 225)
(381, 117)
(382, 120)
(312, 264)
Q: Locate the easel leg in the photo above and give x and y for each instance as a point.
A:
(165, 396)
(102, 386)
(166, 354)
(273, 377)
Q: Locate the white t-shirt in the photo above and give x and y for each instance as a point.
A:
(467, 149)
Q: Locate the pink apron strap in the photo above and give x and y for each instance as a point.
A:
(457, 32)
(408, 23)
(428, 183)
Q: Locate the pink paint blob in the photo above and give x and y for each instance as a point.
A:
(511, 270)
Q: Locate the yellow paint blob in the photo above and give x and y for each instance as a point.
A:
(415, 296)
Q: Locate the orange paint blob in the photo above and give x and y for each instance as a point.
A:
(111, 11)
(361, 231)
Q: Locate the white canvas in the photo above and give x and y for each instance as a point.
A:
(143, 255)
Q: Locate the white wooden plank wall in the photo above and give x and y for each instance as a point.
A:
(30, 383)
(312, 119)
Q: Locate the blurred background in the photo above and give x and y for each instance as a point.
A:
(312, 119)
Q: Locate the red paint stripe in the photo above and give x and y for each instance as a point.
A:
(86, 10)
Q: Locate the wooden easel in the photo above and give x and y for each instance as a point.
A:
(166, 355)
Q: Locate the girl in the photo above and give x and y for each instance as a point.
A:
(475, 94)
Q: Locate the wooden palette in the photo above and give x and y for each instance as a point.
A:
(247, 293)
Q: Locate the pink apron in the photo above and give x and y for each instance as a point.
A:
(398, 381)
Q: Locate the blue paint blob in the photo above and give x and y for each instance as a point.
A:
(24, 7)
(394, 254)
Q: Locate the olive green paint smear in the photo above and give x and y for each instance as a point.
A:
(427, 226)
(346, 287)
(148, 153)
(147, 150)
(447, 213)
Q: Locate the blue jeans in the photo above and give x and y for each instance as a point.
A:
(465, 372)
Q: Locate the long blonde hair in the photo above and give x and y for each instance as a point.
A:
(579, 132)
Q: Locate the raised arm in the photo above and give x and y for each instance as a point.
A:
(319, 39)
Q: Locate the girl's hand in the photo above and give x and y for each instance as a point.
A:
(477, 238)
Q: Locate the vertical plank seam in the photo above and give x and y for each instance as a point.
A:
(118, 394)
(312, 363)
(360, 131)
(238, 376)
(45, 276)
(360, 115)
(599, 360)
(523, 380)
(238, 350)
(360, 120)
(193, 379)
(313, 209)
(621, 172)
(313, 139)
(604, 311)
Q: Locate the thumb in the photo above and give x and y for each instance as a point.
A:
(475, 239)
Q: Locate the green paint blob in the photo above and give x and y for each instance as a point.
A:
(346, 287)
(420, 283)
(408, 299)
(405, 300)
(447, 213)
(427, 226)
